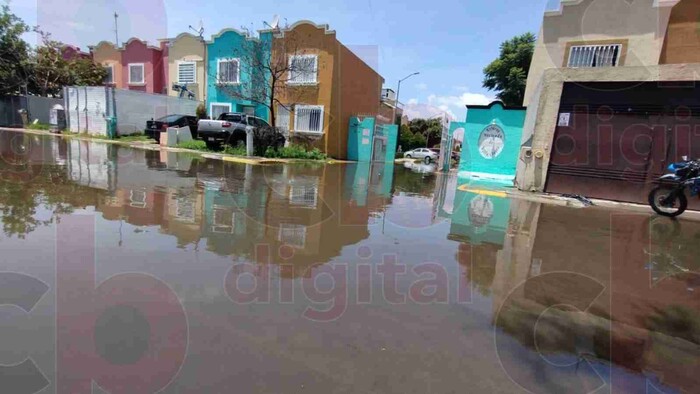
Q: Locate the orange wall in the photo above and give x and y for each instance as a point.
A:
(106, 53)
(682, 42)
(346, 85)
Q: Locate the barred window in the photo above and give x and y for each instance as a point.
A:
(186, 72)
(228, 71)
(594, 56)
(303, 69)
(136, 73)
(308, 118)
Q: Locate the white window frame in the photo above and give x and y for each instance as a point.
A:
(111, 67)
(211, 108)
(315, 80)
(294, 227)
(194, 72)
(298, 194)
(138, 202)
(620, 48)
(283, 117)
(218, 70)
(296, 118)
(143, 73)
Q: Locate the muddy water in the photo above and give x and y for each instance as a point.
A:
(137, 271)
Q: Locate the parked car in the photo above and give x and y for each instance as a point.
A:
(421, 153)
(229, 128)
(155, 127)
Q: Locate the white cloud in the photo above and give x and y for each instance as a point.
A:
(413, 101)
(457, 105)
(417, 110)
(422, 86)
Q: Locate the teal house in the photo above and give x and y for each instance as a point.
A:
(232, 78)
(492, 138)
(371, 142)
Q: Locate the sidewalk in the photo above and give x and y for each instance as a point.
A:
(555, 199)
(144, 145)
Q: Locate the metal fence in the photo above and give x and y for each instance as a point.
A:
(38, 108)
(88, 107)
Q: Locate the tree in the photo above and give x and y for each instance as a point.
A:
(429, 129)
(507, 75)
(15, 63)
(268, 63)
(51, 71)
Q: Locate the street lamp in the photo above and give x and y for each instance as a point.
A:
(398, 91)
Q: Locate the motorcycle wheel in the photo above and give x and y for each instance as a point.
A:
(671, 208)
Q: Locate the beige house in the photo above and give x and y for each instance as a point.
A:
(110, 57)
(613, 96)
(185, 56)
(594, 33)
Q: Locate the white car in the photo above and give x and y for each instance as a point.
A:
(421, 153)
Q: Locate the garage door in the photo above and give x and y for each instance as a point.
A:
(614, 139)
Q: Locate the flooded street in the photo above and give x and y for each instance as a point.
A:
(134, 271)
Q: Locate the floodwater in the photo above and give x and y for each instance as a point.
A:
(131, 271)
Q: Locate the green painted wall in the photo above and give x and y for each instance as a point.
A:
(502, 166)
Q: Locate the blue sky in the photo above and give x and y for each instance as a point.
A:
(448, 41)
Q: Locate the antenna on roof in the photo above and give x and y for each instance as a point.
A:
(199, 30)
(274, 25)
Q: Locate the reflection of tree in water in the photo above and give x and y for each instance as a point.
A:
(676, 321)
(480, 264)
(408, 181)
(22, 192)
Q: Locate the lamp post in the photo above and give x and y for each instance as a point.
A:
(398, 91)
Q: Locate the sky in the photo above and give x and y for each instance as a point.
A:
(449, 42)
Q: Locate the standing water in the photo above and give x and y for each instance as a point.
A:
(138, 271)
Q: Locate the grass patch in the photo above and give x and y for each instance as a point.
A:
(38, 126)
(134, 138)
(295, 152)
(194, 145)
(239, 150)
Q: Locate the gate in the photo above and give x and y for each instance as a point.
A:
(614, 139)
(379, 143)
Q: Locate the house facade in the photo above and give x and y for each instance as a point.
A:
(230, 74)
(612, 101)
(143, 68)
(330, 85)
(185, 58)
(110, 57)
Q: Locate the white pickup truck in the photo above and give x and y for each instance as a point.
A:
(230, 128)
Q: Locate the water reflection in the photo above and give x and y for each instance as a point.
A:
(541, 298)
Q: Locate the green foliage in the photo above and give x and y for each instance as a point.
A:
(194, 145)
(38, 126)
(239, 150)
(295, 152)
(507, 75)
(85, 72)
(15, 60)
(413, 136)
(134, 137)
(201, 111)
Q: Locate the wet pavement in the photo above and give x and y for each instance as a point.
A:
(131, 271)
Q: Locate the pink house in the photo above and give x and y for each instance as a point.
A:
(142, 67)
(71, 52)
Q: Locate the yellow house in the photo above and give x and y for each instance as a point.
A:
(110, 57)
(185, 58)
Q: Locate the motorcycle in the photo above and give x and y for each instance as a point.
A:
(669, 199)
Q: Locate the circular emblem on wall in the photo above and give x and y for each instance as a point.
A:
(480, 211)
(491, 141)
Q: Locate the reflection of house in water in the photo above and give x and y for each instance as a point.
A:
(600, 265)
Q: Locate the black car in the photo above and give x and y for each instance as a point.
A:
(155, 127)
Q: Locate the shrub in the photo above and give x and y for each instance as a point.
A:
(201, 111)
(265, 138)
(295, 152)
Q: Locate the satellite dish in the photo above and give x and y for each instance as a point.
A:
(275, 21)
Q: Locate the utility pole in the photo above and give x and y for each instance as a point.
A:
(116, 30)
(398, 92)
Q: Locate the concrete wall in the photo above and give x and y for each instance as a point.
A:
(186, 47)
(503, 166)
(532, 171)
(39, 108)
(639, 25)
(231, 43)
(87, 108)
(682, 42)
(135, 108)
(106, 54)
